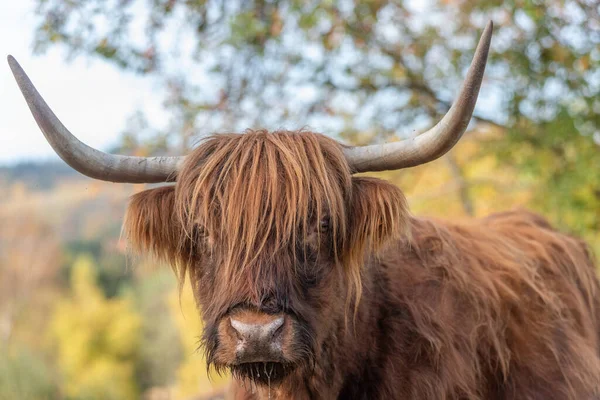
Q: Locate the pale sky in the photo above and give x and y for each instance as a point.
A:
(92, 98)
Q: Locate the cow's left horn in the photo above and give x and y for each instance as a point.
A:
(85, 159)
(438, 140)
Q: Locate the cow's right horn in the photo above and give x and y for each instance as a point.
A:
(85, 159)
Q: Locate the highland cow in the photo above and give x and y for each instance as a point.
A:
(318, 284)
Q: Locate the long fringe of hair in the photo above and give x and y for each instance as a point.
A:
(258, 194)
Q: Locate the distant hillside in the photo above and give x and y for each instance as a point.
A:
(38, 175)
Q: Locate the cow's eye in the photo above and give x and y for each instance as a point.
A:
(271, 305)
(310, 278)
(324, 225)
(201, 235)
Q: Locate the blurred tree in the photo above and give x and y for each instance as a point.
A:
(112, 274)
(25, 376)
(368, 70)
(29, 257)
(161, 350)
(96, 339)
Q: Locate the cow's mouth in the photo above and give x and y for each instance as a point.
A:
(266, 373)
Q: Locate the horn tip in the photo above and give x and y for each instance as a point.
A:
(489, 27)
(486, 36)
(13, 63)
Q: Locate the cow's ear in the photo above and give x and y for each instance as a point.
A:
(151, 226)
(378, 213)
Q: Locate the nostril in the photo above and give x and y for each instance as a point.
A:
(277, 326)
(237, 328)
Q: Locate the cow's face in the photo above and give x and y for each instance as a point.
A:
(273, 230)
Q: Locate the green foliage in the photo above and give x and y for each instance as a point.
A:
(25, 376)
(562, 169)
(414, 56)
(96, 339)
(111, 272)
(160, 349)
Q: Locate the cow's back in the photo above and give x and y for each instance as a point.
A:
(505, 307)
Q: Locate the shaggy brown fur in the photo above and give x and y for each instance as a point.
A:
(501, 308)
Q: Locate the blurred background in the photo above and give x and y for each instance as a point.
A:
(80, 319)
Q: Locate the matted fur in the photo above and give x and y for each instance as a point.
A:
(505, 307)
(499, 308)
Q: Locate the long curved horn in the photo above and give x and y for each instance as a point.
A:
(85, 159)
(438, 140)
